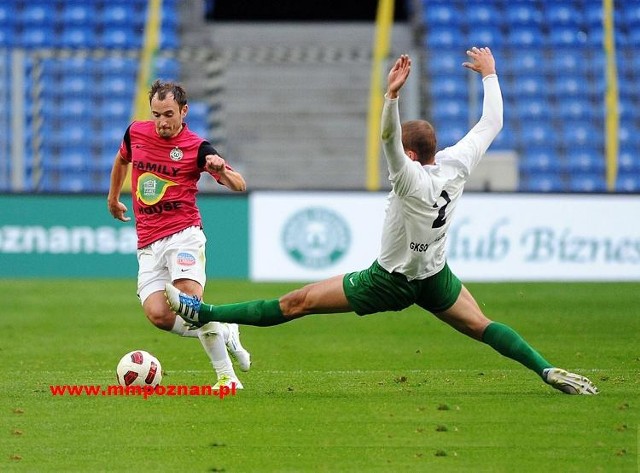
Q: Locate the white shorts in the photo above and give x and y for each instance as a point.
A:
(178, 256)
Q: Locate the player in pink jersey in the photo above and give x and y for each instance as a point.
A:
(166, 160)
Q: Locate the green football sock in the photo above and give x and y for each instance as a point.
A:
(261, 313)
(507, 342)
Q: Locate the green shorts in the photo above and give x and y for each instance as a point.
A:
(376, 290)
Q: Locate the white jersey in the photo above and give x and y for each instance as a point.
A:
(423, 198)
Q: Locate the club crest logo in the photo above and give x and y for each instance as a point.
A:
(176, 154)
(316, 237)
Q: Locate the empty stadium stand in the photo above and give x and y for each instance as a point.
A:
(80, 71)
(80, 61)
(552, 63)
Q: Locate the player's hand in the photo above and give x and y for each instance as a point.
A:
(398, 76)
(482, 61)
(215, 164)
(118, 209)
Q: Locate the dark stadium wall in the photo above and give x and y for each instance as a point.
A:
(295, 10)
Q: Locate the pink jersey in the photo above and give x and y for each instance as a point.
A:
(164, 178)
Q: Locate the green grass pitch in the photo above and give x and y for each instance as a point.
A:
(387, 392)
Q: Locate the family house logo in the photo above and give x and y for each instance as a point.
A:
(316, 237)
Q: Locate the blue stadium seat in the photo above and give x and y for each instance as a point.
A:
(539, 161)
(169, 38)
(110, 138)
(449, 109)
(79, 14)
(450, 132)
(75, 85)
(449, 86)
(118, 87)
(538, 134)
(562, 13)
(81, 66)
(77, 37)
(167, 68)
(8, 13)
(121, 37)
(121, 14)
(37, 14)
(531, 108)
(587, 182)
(566, 36)
(569, 86)
(119, 66)
(632, 38)
(585, 161)
(67, 182)
(70, 158)
(628, 183)
(200, 128)
(486, 35)
(77, 108)
(7, 36)
(35, 36)
(440, 14)
(445, 37)
(630, 13)
(578, 134)
(594, 36)
(597, 62)
(629, 135)
(576, 108)
(522, 13)
(542, 182)
(526, 62)
(566, 61)
(76, 133)
(593, 13)
(117, 111)
(481, 13)
(528, 36)
(198, 110)
(443, 62)
(530, 85)
(629, 161)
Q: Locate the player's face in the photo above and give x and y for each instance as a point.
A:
(167, 116)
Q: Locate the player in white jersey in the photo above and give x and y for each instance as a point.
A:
(411, 268)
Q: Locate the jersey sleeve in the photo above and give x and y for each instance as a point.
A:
(470, 149)
(125, 145)
(204, 150)
(403, 173)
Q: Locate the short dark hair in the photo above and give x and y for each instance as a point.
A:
(163, 89)
(419, 136)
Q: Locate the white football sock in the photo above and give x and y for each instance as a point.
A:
(212, 337)
(180, 327)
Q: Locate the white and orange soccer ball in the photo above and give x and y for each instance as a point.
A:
(139, 368)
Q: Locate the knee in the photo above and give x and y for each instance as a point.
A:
(164, 319)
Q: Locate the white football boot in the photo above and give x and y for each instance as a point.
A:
(236, 351)
(569, 383)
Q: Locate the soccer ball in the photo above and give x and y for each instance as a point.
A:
(139, 368)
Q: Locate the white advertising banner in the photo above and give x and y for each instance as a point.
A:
(309, 236)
